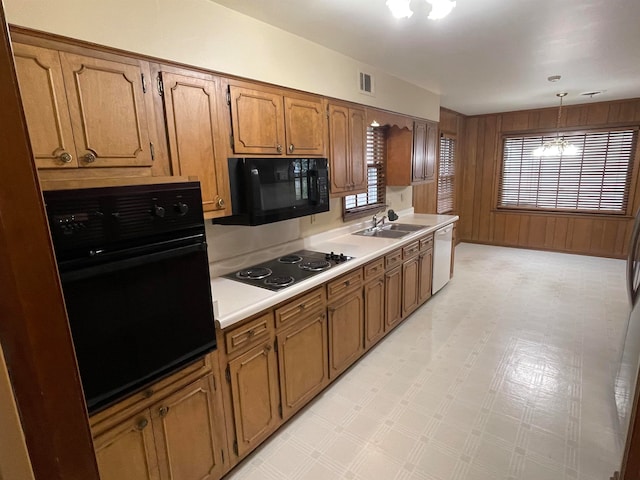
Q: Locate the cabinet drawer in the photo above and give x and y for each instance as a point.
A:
(105, 419)
(301, 307)
(344, 284)
(410, 250)
(249, 334)
(393, 259)
(374, 269)
(426, 243)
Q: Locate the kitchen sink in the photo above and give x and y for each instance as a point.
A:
(390, 230)
(405, 227)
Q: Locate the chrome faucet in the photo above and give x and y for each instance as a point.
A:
(377, 222)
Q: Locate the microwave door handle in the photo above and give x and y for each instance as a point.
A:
(255, 192)
(312, 186)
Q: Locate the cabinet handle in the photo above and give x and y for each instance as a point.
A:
(90, 158)
(347, 283)
(65, 157)
(142, 424)
(279, 148)
(267, 348)
(291, 148)
(302, 306)
(162, 411)
(148, 393)
(251, 332)
(220, 203)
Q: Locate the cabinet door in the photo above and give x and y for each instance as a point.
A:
(419, 152)
(108, 111)
(430, 152)
(302, 361)
(191, 115)
(425, 272)
(358, 139)
(45, 106)
(186, 426)
(410, 275)
(304, 120)
(257, 121)
(127, 451)
(339, 153)
(393, 297)
(373, 311)
(346, 332)
(254, 392)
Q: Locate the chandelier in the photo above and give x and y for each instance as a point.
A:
(439, 8)
(558, 146)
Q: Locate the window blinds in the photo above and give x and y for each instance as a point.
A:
(595, 180)
(446, 174)
(375, 155)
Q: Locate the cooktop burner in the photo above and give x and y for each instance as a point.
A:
(287, 270)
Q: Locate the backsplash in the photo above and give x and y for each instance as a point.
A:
(232, 247)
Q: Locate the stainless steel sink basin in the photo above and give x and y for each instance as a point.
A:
(377, 232)
(390, 230)
(405, 227)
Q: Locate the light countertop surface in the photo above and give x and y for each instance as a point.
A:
(237, 301)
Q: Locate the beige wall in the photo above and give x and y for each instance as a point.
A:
(205, 34)
(14, 459)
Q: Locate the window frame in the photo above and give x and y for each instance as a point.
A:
(579, 130)
(366, 210)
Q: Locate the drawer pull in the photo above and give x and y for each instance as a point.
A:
(142, 424)
(347, 283)
(251, 332)
(267, 348)
(162, 411)
(148, 393)
(302, 306)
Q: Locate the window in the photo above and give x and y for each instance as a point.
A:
(374, 197)
(594, 181)
(446, 174)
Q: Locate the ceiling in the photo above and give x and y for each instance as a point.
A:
(487, 55)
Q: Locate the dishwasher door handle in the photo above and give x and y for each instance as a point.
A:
(444, 231)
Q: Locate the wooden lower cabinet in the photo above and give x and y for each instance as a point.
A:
(393, 297)
(373, 311)
(410, 284)
(346, 332)
(127, 451)
(425, 269)
(178, 438)
(254, 392)
(302, 362)
(188, 442)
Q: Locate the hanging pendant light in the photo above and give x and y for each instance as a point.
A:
(558, 146)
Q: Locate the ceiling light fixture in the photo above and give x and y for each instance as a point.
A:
(439, 8)
(400, 8)
(558, 146)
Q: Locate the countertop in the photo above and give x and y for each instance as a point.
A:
(237, 301)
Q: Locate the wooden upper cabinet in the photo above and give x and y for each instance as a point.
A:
(347, 143)
(267, 121)
(257, 121)
(83, 111)
(191, 113)
(108, 111)
(304, 126)
(45, 106)
(411, 156)
(424, 152)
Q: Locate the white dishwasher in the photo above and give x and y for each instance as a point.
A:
(441, 257)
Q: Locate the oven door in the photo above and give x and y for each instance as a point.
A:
(137, 318)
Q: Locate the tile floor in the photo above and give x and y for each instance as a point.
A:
(507, 373)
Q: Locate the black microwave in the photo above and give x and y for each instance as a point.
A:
(266, 190)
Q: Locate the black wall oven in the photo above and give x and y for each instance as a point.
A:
(135, 277)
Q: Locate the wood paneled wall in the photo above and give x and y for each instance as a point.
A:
(481, 222)
(425, 196)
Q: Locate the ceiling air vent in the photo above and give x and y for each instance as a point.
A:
(366, 83)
